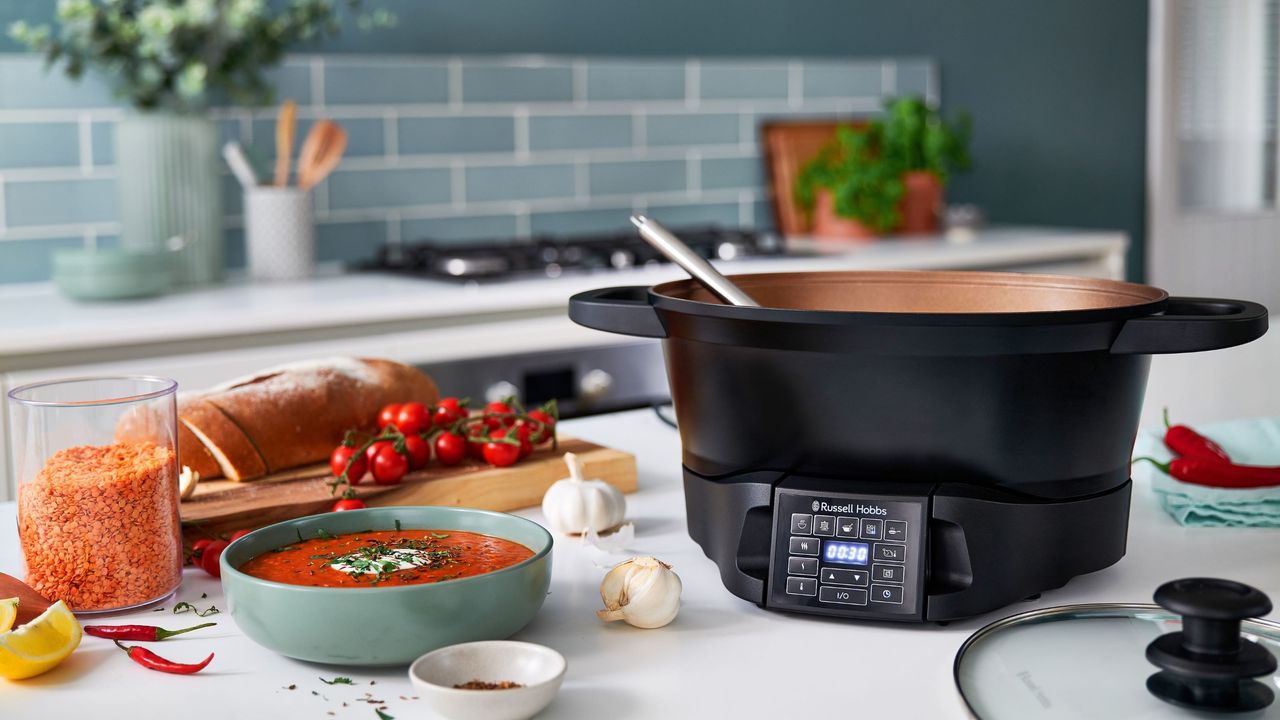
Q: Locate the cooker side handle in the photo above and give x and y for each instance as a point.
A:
(1191, 325)
(622, 310)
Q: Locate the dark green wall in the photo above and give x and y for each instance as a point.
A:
(1057, 89)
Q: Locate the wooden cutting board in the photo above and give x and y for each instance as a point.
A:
(220, 507)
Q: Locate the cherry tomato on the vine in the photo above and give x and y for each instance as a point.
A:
(210, 556)
(388, 415)
(348, 504)
(413, 418)
(500, 453)
(238, 534)
(389, 466)
(372, 451)
(443, 417)
(419, 451)
(450, 448)
(339, 459)
(547, 422)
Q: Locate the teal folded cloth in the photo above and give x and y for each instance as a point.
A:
(1254, 441)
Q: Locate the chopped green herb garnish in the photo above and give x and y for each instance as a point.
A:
(338, 681)
(204, 596)
(324, 534)
(382, 715)
(186, 607)
(439, 536)
(397, 524)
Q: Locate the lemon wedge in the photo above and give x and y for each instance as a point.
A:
(40, 645)
(8, 613)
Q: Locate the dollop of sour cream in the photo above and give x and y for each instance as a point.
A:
(401, 558)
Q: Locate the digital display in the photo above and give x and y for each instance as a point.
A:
(845, 553)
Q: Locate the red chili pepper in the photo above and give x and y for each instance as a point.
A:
(152, 661)
(146, 633)
(1215, 473)
(1190, 444)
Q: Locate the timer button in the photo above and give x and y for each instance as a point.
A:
(895, 530)
(872, 529)
(802, 586)
(844, 577)
(802, 566)
(888, 573)
(801, 524)
(844, 596)
(824, 525)
(886, 594)
(804, 546)
(847, 527)
(892, 553)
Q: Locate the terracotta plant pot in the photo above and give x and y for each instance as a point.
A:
(921, 203)
(827, 224)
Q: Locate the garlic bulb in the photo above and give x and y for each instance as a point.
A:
(642, 591)
(574, 505)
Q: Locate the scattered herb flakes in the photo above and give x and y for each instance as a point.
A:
(159, 609)
(338, 681)
(373, 682)
(324, 534)
(397, 524)
(382, 715)
(290, 687)
(439, 536)
(204, 596)
(186, 607)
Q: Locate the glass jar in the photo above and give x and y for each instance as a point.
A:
(97, 471)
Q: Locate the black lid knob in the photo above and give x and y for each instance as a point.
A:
(1208, 665)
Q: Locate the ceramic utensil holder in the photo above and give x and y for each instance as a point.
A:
(279, 233)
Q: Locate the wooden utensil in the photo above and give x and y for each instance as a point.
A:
(223, 506)
(30, 602)
(286, 128)
(321, 152)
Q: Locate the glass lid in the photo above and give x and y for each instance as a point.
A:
(1090, 662)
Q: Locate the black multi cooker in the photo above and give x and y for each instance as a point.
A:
(915, 446)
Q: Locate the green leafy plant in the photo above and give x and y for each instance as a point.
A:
(178, 55)
(863, 167)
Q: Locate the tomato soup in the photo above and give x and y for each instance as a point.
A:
(386, 558)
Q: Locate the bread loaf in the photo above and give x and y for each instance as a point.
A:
(295, 414)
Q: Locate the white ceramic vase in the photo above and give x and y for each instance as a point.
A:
(170, 192)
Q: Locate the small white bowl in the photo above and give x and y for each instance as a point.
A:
(539, 669)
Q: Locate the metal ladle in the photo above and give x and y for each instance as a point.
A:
(677, 252)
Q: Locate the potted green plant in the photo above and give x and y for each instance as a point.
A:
(171, 59)
(885, 175)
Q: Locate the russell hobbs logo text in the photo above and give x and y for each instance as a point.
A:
(850, 508)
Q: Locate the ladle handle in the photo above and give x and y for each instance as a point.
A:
(693, 263)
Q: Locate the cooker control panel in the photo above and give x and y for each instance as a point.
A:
(847, 554)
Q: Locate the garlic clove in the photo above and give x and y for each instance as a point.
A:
(643, 592)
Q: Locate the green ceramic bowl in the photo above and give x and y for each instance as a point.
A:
(386, 625)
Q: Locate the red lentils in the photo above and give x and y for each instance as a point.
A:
(99, 526)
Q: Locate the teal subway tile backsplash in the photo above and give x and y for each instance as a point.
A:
(388, 188)
(441, 135)
(24, 84)
(562, 132)
(724, 214)
(579, 222)
(725, 173)
(459, 229)
(28, 260)
(842, 78)
(35, 144)
(519, 182)
(637, 176)
(58, 202)
(743, 80)
(635, 80)
(513, 83)
(451, 149)
(390, 82)
(692, 129)
(350, 242)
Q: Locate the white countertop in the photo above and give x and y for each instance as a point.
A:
(722, 657)
(36, 320)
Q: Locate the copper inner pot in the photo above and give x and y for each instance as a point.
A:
(926, 292)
